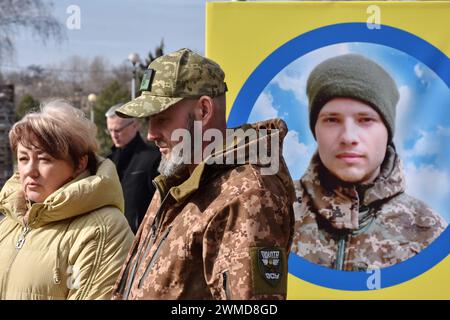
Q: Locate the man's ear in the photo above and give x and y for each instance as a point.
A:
(136, 124)
(205, 109)
(81, 165)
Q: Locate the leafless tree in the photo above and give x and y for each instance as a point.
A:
(32, 15)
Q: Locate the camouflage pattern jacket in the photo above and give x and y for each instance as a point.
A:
(355, 228)
(223, 232)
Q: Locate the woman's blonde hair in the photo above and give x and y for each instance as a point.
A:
(60, 130)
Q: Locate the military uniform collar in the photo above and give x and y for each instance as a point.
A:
(182, 184)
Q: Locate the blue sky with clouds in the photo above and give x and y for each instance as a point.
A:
(114, 28)
(422, 122)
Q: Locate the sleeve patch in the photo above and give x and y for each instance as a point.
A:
(269, 270)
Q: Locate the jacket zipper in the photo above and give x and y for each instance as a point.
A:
(226, 286)
(145, 248)
(158, 218)
(154, 257)
(21, 240)
(19, 244)
(340, 256)
(366, 221)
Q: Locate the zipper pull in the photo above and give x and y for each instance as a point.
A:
(153, 234)
(21, 240)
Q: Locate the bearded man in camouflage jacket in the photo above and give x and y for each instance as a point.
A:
(352, 212)
(215, 229)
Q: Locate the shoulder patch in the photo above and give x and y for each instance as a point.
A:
(269, 270)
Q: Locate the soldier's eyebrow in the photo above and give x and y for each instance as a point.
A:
(329, 114)
(368, 113)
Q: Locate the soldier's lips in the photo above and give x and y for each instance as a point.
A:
(350, 157)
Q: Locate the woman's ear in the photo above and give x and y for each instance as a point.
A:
(81, 165)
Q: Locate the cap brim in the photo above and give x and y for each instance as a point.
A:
(146, 105)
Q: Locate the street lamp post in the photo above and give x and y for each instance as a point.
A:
(134, 59)
(92, 98)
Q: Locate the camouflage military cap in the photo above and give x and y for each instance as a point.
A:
(173, 77)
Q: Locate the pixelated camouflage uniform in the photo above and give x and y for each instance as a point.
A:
(355, 228)
(202, 240)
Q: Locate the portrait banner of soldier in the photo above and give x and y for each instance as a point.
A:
(364, 89)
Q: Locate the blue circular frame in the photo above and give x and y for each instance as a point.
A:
(292, 50)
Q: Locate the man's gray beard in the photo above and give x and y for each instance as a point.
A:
(168, 166)
(174, 161)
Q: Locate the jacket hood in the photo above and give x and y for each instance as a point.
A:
(340, 203)
(82, 195)
(263, 148)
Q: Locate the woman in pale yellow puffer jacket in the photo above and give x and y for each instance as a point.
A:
(63, 234)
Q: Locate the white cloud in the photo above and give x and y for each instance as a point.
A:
(424, 74)
(429, 143)
(330, 51)
(425, 145)
(264, 108)
(294, 77)
(419, 70)
(296, 84)
(296, 154)
(443, 131)
(428, 184)
(403, 129)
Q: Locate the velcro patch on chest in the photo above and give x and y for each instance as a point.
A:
(269, 270)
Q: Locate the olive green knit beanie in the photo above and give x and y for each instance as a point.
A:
(352, 76)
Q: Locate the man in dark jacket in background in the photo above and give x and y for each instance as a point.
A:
(136, 164)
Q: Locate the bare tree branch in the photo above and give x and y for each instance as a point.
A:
(34, 15)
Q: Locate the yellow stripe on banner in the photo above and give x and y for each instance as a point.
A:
(433, 284)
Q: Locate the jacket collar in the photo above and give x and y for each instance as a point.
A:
(182, 184)
(82, 195)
